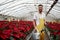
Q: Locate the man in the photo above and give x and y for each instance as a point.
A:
(39, 19)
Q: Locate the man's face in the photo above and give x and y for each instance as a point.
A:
(40, 8)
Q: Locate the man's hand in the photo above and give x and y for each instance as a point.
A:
(36, 30)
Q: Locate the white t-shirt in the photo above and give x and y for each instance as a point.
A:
(37, 16)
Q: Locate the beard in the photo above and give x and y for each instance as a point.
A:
(40, 11)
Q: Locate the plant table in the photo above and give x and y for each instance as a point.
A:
(30, 35)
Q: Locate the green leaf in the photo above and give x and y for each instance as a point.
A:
(11, 38)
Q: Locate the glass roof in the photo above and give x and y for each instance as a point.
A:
(19, 8)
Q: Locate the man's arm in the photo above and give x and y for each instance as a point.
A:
(34, 22)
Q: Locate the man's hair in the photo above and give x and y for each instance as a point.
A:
(40, 5)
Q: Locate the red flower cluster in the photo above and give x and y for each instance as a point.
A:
(15, 29)
(54, 27)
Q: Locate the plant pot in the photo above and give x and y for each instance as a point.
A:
(36, 35)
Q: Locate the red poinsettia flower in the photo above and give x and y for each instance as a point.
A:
(14, 38)
(58, 33)
(55, 33)
(22, 28)
(15, 29)
(28, 29)
(7, 33)
(22, 35)
(3, 36)
(16, 35)
(19, 35)
(11, 29)
(12, 26)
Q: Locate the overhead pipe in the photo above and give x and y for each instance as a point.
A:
(52, 6)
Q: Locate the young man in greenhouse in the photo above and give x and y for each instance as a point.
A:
(39, 19)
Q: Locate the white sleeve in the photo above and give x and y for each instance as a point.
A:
(34, 17)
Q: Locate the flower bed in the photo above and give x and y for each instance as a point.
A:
(54, 29)
(15, 30)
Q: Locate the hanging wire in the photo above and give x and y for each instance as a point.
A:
(52, 6)
(46, 7)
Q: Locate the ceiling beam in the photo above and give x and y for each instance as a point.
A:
(3, 3)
